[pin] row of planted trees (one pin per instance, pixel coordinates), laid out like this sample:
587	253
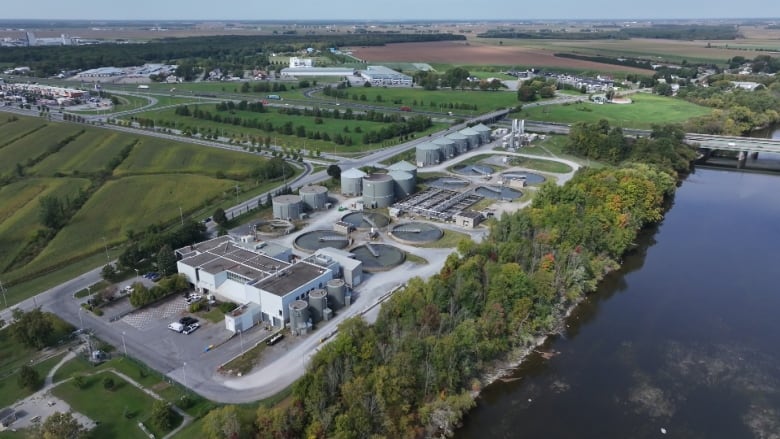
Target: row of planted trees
412	373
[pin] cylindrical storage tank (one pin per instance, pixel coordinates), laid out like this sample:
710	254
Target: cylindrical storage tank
337	289
378	191
314	197
403	166
473	137
484	132
352	182
404	183
287	207
318	301
428	154
447	147
461	142
299	316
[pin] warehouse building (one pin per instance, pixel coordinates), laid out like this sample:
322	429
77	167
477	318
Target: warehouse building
381	75
301	72
263	286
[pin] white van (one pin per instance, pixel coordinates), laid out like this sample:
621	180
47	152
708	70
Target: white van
176	326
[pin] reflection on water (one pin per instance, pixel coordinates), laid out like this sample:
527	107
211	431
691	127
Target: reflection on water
683	337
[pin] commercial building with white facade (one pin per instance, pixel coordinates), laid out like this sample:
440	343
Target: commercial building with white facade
381	75
263	286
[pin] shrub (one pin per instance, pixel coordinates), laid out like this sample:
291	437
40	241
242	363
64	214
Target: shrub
108	383
226	307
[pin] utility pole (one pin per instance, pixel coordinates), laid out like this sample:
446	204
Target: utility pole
2	289
105	245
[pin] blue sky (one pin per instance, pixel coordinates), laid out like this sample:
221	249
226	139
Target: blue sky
401	9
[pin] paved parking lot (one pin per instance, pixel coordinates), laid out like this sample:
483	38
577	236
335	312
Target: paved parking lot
171	310
36	408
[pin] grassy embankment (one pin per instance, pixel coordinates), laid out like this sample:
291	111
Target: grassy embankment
148	187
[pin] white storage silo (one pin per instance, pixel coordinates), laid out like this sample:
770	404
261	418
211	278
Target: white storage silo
352	182
428	154
404	183
473	137
337	289
314	197
447	147
403	166
299	317
484	132
287	207
318	302
461	142
378	191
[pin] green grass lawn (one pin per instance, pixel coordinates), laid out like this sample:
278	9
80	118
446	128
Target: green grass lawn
118	410
33	145
89	153
433	100
645	111
13	355
554	146
540	165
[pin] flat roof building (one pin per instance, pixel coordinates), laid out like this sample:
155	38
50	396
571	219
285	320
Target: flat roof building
316	71
381	75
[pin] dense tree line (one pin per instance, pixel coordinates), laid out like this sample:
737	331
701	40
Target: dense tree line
142	295
229	52
411	374
619	61
538	87
660	31
599	141
143	246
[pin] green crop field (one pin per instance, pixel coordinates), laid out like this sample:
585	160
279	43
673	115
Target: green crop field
645	111
131	203
152	155
150	186
19	211
433	100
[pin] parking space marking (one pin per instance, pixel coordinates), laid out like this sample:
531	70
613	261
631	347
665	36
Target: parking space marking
141	319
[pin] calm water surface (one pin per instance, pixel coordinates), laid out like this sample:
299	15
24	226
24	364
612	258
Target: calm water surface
686	337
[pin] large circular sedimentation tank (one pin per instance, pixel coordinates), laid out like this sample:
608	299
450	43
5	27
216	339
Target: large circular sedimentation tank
378	257
484	132
287	207
416	232
317	239
378	191
473	137
428	154
529	177
337	291
404	183
447	147
461	142
366	220
314	197
403	166
498	192
352	182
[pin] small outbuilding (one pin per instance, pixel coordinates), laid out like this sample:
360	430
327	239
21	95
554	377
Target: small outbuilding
468	219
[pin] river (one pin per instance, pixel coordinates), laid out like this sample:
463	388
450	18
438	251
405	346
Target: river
685	337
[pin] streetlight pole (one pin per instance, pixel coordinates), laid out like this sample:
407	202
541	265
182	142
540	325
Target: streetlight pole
2	289
184	371
181	215
136	272
124	345
81	320
241	337
105	245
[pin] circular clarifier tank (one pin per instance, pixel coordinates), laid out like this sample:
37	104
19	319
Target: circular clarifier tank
529	177
474	170
317	239
378	257
451	183
366	220
416	233
498	192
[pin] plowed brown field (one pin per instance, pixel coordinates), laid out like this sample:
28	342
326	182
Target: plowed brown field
469	53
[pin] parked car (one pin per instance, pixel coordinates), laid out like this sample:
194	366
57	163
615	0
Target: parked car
274	339
176	326
155	277
191	328
186	321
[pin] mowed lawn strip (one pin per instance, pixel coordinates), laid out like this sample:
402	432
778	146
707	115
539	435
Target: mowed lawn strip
130	203
33	145
11	131
118	410
89	153
645	111
486	101
20	209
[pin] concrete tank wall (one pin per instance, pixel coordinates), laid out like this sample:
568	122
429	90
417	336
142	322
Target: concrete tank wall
378	191
318	301
314	197
287	207
428	154
404	184
337	290
352	182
